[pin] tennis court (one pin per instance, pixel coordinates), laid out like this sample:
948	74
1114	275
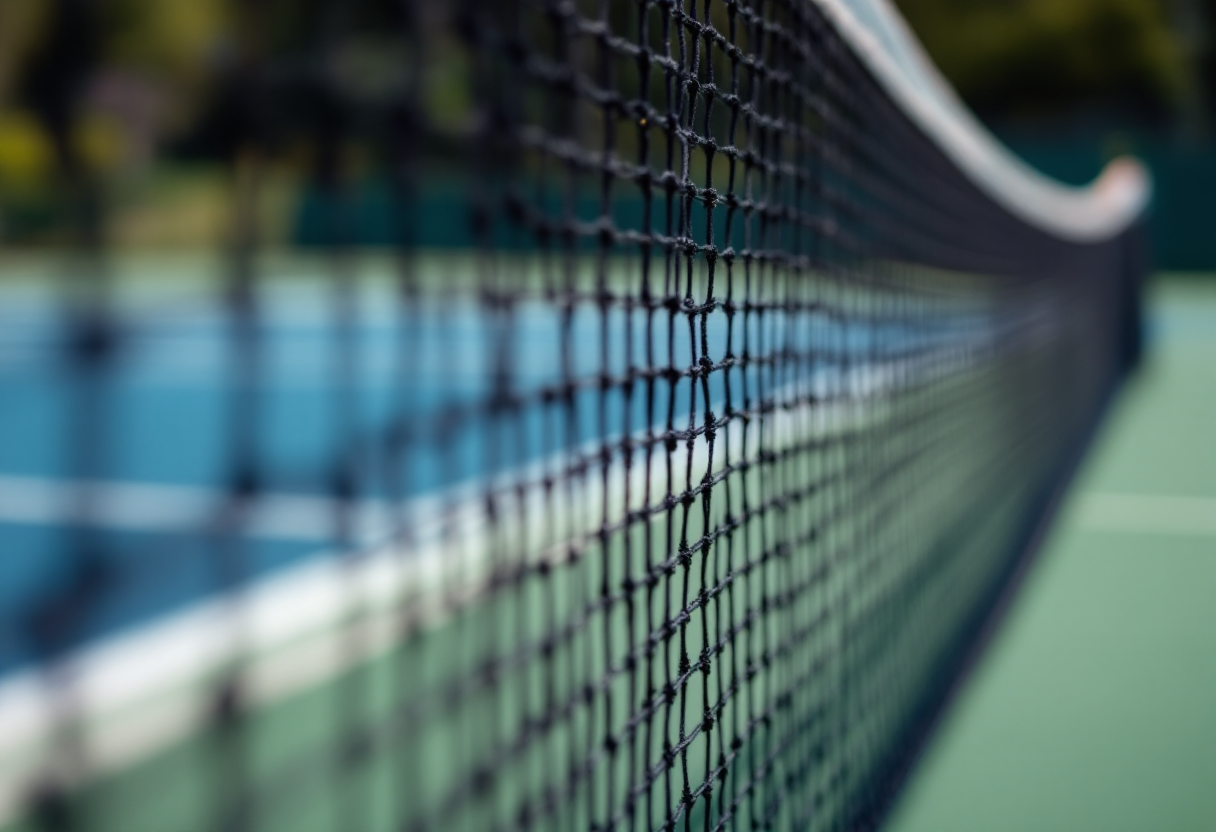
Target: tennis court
315	633
631	418
1093	707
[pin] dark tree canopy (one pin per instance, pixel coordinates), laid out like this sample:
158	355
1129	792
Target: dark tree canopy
1044	57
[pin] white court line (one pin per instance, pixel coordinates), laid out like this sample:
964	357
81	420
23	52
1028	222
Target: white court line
160	508
134	694
1146	514
140	692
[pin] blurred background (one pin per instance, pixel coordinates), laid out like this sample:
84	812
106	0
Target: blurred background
1067	85
133	122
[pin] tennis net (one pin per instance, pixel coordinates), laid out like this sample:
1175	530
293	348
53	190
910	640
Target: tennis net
631	421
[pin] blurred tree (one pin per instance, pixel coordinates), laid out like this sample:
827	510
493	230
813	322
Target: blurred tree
26	157
174	37
1044	57
21	25
126	72
1195	27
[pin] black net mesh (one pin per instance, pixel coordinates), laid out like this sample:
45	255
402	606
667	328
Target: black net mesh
629	427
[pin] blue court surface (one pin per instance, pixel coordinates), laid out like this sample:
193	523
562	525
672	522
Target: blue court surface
336	373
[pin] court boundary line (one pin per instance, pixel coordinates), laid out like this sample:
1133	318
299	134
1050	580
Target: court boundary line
347	610
1159	514
134	694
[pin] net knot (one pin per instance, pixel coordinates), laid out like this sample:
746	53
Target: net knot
685	558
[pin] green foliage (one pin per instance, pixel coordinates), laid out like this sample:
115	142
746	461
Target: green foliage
167	36
1036	55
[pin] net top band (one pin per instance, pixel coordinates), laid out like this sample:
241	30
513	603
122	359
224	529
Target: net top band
1099	211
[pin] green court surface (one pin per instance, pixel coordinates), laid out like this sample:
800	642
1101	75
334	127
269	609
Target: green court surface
1095	707
1096	710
